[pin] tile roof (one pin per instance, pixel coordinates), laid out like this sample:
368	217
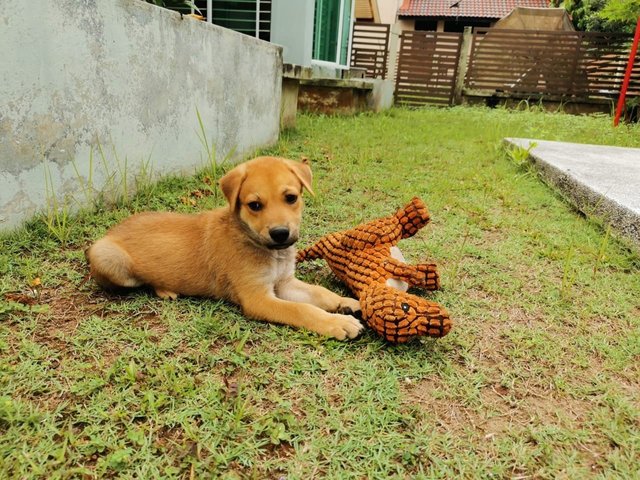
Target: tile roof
465	8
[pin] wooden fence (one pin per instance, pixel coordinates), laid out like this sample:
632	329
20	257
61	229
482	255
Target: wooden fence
526	63
427	68
369	48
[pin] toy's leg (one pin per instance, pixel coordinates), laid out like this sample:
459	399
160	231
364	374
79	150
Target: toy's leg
423	275
296	290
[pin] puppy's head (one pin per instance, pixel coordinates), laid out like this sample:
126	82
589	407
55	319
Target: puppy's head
266	195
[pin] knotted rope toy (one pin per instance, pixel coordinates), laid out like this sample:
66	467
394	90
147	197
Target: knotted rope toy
367	260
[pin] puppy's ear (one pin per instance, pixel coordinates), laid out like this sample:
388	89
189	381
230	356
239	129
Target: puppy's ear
230	184
302	170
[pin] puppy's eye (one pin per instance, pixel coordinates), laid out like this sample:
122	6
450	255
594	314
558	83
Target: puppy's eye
405	307
255	206
291	198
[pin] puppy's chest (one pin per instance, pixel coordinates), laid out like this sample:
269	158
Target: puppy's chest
282	267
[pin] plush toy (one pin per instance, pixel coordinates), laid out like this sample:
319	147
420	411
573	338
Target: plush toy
368	262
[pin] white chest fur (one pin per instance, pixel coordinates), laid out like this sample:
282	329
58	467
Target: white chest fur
283	265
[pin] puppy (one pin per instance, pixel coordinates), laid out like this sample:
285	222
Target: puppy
243	253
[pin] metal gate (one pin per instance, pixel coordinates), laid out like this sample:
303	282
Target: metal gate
427	68
369	48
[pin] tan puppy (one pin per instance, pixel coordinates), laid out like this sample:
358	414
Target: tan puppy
243	253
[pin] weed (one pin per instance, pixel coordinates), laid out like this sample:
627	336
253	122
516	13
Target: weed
601	253
85	185
213	168
458	259
57	216
521	157
568	273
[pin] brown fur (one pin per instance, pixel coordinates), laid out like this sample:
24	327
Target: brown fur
229	252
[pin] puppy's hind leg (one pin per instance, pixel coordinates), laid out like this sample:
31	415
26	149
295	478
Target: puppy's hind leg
111	266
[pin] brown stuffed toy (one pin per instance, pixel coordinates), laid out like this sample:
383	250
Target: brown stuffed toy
368	262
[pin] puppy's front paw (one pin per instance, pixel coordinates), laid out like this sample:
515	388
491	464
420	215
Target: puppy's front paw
349	306
166	294
343	327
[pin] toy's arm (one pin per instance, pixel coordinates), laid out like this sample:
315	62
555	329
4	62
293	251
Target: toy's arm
412	217
321	248
388	230
423	275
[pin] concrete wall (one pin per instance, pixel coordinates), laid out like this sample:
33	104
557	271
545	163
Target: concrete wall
129	76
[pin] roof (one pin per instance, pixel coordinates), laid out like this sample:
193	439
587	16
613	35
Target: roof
465	8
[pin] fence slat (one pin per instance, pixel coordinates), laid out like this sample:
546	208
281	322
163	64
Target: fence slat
369	48
586	65
427	68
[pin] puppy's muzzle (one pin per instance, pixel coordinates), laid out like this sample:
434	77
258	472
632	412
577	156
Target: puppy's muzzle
281	237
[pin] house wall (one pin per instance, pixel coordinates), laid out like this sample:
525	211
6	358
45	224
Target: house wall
127	76
388	10
292	27
406	24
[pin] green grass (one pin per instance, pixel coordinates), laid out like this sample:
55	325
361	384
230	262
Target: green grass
539	378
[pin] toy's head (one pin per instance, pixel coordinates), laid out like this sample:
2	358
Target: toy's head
398	316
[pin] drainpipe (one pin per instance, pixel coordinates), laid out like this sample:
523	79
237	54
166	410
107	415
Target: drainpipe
627	75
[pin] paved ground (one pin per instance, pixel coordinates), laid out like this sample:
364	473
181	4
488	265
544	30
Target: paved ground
599	180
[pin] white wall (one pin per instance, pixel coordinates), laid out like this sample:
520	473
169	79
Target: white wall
127	75
388	10
292	28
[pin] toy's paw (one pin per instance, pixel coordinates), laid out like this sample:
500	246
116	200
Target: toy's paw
349	306
342	327
429	278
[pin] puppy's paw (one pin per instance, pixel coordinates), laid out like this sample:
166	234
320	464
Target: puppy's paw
348	306
343	327
166	294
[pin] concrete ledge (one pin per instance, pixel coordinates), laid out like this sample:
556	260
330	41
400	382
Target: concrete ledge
333	96
599	180
352	83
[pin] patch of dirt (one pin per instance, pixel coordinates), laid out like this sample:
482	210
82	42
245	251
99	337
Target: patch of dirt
66	310
501	412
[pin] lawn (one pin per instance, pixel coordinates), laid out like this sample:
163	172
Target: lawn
539	377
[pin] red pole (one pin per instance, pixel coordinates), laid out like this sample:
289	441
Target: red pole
627	75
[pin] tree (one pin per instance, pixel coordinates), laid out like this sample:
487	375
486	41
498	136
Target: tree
602	15
625	12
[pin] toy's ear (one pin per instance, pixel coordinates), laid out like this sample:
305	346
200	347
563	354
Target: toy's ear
230	184
302	170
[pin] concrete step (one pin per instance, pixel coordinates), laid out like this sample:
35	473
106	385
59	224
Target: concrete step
599	180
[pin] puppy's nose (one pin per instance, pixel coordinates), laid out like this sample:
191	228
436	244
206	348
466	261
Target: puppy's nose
279	234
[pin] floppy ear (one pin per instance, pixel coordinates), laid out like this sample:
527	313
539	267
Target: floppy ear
230	184
302	170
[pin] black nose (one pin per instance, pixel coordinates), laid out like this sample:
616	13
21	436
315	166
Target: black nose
279	234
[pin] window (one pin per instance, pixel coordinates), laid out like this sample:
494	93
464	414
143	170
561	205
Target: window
331	33
251	17
428	25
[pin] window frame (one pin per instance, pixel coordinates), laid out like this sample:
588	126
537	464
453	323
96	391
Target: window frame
337	65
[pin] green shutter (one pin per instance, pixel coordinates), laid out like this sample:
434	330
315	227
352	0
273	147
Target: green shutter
327	18
328	35
346	30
